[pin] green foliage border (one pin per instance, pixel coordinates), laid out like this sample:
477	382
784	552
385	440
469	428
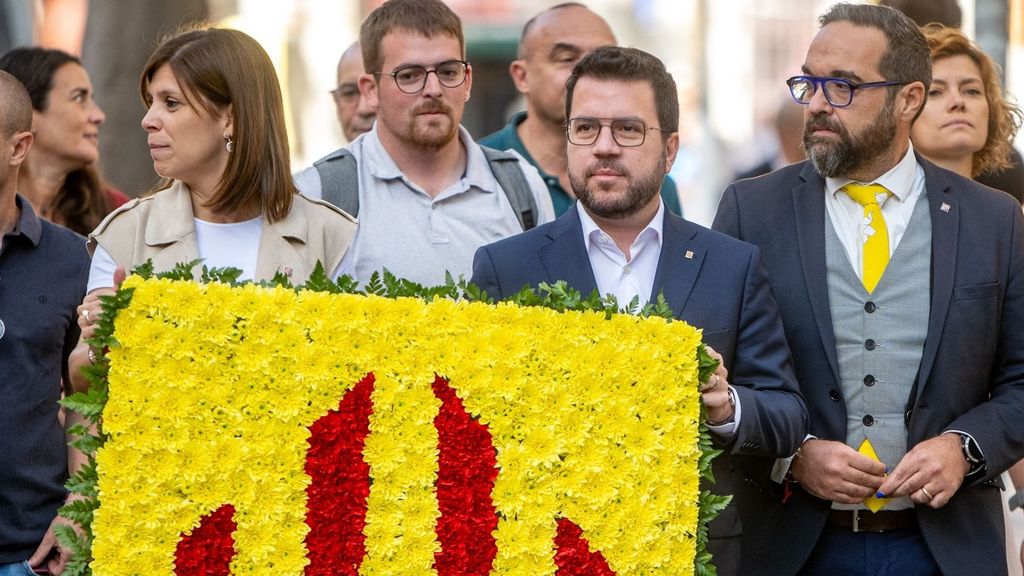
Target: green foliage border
558	296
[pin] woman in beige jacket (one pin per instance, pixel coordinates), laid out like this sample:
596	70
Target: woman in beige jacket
217	137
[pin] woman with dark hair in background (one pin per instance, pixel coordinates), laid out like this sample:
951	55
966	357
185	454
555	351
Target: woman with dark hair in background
60	177
217	136
968	126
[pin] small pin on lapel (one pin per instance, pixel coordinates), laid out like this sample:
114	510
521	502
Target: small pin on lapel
944	208
689	254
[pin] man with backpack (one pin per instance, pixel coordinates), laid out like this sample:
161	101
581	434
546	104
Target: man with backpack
426	195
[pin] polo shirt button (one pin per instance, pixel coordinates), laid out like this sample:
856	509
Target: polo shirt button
870	307
833	395
625	270
868	420
869	380
869	344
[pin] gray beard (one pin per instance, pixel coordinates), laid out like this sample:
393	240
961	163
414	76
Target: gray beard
833	160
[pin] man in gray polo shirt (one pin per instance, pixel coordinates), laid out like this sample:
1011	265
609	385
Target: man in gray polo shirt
427	196
43	271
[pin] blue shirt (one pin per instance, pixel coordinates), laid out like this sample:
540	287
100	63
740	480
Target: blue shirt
508	139
43	271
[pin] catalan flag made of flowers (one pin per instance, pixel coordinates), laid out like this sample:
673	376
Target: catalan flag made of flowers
266	431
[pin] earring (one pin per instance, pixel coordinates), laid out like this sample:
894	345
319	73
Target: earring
229	144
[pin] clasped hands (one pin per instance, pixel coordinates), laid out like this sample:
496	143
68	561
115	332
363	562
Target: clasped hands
929	474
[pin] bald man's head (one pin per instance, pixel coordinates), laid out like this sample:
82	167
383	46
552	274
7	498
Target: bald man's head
15	106
551	44
354	112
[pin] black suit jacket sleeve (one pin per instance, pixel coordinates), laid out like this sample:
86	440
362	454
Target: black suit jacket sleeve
773	417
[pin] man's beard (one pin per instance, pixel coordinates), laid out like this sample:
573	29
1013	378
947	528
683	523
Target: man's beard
639	193
435	135
834	159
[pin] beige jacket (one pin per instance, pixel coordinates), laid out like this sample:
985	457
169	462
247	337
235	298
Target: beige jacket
161	227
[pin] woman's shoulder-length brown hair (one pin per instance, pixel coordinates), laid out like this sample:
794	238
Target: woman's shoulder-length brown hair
217	67
1004	117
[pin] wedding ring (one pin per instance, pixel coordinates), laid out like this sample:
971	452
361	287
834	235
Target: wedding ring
927	493
85	314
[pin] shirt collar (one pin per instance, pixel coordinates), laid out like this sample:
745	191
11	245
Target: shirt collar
382	166
28	223
899	180
591	230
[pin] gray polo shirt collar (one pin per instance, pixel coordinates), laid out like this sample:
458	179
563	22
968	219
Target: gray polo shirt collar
383	167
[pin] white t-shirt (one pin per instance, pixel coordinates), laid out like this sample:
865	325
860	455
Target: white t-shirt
234	244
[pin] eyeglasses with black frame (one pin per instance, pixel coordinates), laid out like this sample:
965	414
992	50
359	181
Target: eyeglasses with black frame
627	132
412	79
838	91
347	92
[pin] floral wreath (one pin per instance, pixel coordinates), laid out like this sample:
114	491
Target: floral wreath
261	428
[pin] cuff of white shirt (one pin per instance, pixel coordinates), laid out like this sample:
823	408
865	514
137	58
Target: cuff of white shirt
727	431
781	466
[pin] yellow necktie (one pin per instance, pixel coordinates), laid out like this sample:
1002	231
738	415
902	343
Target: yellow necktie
873	232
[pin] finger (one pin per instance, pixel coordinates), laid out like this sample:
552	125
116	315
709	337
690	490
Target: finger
119	275
862	463
853	493
42	551
903	483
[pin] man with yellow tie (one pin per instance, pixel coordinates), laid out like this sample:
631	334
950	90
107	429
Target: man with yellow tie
901	288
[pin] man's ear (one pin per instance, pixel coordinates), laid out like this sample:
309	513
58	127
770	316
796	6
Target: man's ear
21	143
671	150
368	88
517	70
913	97
469	81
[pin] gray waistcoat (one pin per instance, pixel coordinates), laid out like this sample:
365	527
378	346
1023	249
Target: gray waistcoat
879	338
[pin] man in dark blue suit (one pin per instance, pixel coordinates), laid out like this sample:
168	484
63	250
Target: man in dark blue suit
916	348
619	239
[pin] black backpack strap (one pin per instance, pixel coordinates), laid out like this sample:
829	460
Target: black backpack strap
339	180
508	173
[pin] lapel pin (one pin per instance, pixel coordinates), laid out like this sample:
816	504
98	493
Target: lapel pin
944	208
689	254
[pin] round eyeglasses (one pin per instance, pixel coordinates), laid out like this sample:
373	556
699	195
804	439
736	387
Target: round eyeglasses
347	93
838	91
412	79
627	132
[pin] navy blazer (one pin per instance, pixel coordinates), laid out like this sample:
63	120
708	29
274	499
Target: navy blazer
712	282
971	376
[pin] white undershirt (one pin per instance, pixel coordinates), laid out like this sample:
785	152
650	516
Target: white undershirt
221	245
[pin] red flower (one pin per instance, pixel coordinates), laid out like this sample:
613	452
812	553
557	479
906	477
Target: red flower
573	556
208	550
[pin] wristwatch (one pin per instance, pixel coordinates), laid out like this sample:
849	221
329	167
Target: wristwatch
732	404
972	453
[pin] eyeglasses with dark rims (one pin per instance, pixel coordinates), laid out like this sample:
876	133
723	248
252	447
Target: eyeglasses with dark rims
412	79
838	91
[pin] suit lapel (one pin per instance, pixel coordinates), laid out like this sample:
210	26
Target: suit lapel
679	264
811	219
945	214
565	257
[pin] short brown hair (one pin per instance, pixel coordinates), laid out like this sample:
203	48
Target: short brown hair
630	65
1004	117
217	67
906	53
426	17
